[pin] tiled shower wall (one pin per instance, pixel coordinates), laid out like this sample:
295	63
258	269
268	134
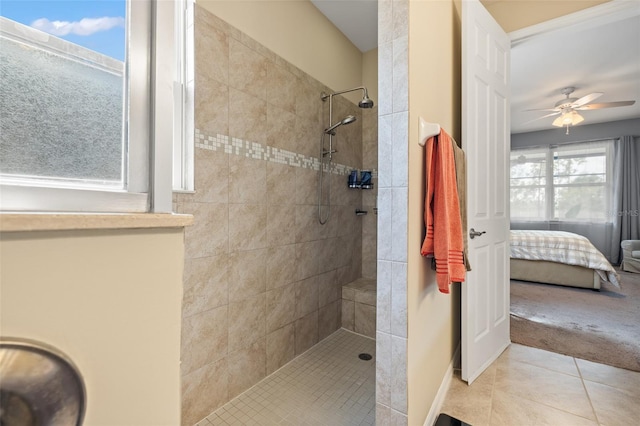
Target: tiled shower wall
262	277
370	197
391	327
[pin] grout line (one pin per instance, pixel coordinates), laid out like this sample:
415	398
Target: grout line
586	391
562	409
493	388
204	422
542	366
544	403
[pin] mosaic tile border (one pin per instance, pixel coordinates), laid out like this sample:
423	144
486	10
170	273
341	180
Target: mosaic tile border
257	151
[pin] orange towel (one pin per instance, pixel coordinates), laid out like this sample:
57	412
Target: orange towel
444	238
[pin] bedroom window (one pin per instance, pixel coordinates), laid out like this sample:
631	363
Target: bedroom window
528	184
569	183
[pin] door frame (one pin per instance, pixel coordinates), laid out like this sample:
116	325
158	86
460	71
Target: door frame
602	14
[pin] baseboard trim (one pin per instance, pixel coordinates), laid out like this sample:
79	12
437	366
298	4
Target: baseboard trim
438	402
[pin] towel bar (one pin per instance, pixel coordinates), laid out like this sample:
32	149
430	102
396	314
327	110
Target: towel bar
427	130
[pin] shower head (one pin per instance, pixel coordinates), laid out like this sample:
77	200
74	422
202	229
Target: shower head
366	101
347	120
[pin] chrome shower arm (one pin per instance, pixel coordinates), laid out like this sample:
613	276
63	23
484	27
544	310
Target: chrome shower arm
325	96
366	102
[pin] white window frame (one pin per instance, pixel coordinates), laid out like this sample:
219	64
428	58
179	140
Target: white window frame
545	152
550	185
184	99
150	68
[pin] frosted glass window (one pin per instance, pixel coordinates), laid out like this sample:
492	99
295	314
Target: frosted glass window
88	117
62	104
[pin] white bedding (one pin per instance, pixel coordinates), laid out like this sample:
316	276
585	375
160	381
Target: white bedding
562	247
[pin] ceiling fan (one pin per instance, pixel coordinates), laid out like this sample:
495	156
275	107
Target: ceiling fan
568	108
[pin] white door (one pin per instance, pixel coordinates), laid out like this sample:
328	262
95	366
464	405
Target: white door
486	140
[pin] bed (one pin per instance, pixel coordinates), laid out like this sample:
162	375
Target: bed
558	257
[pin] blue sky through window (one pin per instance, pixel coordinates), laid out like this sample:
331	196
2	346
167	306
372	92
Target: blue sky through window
95	24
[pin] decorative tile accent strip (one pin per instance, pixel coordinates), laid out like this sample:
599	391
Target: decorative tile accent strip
257	151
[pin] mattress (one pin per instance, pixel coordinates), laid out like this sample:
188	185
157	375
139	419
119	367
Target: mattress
547	272
560	247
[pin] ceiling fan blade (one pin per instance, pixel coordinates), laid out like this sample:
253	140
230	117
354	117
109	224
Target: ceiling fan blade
544	109
586	99
606	105
539	118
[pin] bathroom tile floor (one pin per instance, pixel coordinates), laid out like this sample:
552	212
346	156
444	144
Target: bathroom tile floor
327	385
330	385
529	386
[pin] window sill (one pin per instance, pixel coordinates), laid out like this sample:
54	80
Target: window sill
21	222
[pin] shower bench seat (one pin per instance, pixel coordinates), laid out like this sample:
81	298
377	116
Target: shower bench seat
359	307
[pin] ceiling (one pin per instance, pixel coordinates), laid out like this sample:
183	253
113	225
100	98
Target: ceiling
592	58
598	58
357	19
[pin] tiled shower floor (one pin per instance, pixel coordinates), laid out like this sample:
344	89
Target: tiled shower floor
327	385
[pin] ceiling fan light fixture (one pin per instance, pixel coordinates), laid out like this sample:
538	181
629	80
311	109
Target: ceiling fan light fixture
566	110
576	118
568	119
559	122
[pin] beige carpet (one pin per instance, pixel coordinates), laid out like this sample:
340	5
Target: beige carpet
597	326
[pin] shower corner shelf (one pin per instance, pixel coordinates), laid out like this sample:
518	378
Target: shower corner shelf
360	186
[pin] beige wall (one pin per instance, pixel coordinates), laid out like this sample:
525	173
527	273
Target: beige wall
299	33
435	87
370	73
110	300
515	15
